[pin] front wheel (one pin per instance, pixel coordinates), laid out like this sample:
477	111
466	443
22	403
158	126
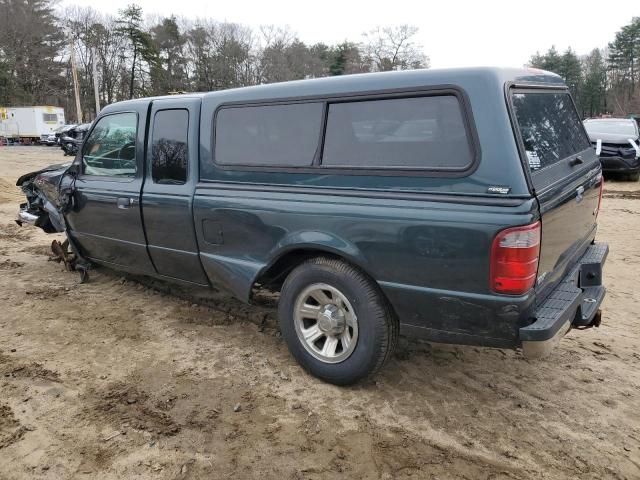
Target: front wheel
336	321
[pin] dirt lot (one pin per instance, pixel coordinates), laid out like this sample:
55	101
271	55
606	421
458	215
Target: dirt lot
113	379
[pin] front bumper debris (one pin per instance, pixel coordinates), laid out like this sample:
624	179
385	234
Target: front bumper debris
26	217
618	164
575	302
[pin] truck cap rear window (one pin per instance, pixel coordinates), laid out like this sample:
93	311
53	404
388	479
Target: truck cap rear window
550	127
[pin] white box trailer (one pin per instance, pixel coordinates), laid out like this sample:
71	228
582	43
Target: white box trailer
30	123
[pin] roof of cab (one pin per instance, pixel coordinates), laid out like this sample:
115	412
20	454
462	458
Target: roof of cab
378	81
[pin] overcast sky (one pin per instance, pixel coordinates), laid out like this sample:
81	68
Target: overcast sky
454	33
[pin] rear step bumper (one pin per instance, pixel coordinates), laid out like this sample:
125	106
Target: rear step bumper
574	302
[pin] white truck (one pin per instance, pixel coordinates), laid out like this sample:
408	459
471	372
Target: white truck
29	124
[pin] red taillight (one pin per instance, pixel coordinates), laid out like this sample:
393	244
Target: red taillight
514	259
600	195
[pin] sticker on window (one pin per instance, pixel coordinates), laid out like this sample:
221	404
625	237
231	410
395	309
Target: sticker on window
534	160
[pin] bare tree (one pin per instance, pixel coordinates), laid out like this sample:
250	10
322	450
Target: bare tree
234	63
110	49
284	56
80	24
393	48
220	55
136	55
273	65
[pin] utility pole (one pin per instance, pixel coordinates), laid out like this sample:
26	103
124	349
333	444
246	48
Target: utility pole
95	83
76	88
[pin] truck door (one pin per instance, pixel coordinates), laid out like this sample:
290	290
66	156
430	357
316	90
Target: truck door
106	218
167	194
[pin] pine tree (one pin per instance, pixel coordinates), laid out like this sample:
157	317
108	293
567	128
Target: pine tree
595	84
31	43
346	59
168	73
550	61
140	42
567	65
624	64
571	71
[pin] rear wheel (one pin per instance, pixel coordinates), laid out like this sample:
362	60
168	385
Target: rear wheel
633	177
336	321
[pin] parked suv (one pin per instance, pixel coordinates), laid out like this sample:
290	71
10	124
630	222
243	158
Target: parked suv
617	143
457	206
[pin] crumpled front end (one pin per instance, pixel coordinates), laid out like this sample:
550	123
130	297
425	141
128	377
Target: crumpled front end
620	156
48	193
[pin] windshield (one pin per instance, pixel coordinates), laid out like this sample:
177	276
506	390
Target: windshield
617	127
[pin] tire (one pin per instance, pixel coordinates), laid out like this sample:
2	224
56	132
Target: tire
633	177
356	309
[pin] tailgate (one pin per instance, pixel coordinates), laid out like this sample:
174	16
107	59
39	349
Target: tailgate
565	175
568	224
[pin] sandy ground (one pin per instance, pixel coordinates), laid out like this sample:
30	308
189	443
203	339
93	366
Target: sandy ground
113	379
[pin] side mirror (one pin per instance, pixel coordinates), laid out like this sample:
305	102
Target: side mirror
75	167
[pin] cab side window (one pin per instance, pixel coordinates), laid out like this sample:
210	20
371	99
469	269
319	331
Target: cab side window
110	150
169	151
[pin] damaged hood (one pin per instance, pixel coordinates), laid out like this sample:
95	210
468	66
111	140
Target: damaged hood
617	131
60	168
615	138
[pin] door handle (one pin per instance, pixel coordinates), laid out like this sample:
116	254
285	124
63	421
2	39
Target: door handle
576	161
124	202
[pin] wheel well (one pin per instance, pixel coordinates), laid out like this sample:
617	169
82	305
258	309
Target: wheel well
273	277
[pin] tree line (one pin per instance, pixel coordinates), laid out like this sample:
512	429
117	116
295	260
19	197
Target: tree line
605	81
138	56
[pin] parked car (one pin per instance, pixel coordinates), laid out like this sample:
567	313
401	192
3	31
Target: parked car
422	202
71	139
617	142
50	140
62	130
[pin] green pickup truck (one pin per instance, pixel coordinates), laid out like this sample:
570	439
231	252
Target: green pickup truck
457	206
